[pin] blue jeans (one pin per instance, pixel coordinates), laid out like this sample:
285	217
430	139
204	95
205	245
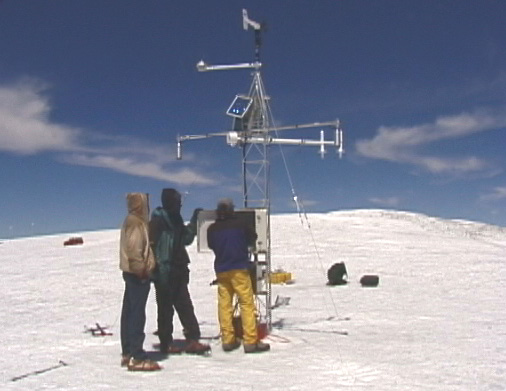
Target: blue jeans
133	316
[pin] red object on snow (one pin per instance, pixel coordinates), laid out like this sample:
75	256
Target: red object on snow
73	241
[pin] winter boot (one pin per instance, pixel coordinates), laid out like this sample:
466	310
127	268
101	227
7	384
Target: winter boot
125	359
228	347
143	365
258	347
195	347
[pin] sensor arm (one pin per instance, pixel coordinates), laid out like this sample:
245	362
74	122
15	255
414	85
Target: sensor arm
263	130
259	136
234	138
204	67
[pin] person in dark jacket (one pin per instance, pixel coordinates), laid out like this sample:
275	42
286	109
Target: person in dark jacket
168	237
230	239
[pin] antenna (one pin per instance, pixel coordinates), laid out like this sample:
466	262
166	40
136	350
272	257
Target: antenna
253	132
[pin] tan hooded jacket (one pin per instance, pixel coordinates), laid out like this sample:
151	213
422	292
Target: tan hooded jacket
135	253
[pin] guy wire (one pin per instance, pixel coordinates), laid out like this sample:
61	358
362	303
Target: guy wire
302	212
300	208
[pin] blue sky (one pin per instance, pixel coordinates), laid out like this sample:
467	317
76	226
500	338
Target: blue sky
93	94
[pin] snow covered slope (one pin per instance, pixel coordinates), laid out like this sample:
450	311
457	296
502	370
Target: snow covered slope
437	320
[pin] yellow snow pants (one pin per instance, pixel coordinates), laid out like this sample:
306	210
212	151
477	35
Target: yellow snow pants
236	282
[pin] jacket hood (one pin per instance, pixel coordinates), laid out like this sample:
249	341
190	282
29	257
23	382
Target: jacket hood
225	208
171	200
138	205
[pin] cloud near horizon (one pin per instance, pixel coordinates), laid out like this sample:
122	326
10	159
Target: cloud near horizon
385	202
26	129
399	144
498	193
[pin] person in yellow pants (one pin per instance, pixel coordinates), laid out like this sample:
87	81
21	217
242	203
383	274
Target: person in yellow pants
230	283
229	238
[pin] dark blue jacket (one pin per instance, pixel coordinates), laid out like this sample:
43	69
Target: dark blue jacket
229	238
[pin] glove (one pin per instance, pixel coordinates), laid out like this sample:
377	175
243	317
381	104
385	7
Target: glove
195	215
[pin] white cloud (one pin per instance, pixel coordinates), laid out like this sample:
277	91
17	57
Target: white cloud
306	203
142	168
498	193
26	128
399	144
438	165
386	202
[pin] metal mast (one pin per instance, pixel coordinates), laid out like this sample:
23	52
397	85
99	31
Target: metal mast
252	131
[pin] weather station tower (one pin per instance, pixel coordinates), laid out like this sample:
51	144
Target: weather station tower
253	131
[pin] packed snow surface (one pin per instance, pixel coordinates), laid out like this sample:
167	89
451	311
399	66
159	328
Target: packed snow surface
436	321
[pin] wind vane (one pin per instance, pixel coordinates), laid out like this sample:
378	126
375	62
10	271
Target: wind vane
253	131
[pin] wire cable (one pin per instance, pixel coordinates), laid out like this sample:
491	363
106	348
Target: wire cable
304	217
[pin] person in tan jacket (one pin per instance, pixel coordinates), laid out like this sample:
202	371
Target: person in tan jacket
136	262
